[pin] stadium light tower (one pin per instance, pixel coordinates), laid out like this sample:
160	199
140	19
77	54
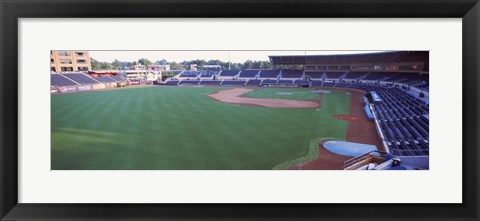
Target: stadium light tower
228	60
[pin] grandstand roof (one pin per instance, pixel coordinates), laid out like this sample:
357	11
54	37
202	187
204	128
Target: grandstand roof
379	57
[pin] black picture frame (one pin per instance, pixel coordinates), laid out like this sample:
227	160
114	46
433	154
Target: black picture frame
12	10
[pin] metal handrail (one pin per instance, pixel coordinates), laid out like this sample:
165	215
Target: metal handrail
364	156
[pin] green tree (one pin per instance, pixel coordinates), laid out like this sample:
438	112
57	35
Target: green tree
144	61
176	66
116	64
161	62
94	63
248	64
105	66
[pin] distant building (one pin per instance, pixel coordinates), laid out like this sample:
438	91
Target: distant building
137	67
193	67
165	67
69	61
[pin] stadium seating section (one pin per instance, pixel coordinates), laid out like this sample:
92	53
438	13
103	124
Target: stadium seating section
355	75
253	82
189	74
229	73
249	73
105	79
81	79
208	74
334	74
60	80
269	73
118	78
316	75
292	73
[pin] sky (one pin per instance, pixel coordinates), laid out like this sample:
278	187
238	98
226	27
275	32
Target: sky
179	56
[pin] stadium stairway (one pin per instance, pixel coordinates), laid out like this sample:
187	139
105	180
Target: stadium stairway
69	79
92	78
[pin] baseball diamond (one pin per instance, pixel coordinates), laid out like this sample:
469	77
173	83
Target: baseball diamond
327	113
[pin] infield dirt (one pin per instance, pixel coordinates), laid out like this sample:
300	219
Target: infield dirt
234	96
359	130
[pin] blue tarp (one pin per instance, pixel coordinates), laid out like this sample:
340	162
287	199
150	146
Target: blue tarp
348	148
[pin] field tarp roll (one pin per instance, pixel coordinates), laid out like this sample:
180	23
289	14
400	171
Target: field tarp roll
67	89
84	87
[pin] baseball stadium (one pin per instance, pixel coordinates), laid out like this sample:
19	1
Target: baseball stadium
362	111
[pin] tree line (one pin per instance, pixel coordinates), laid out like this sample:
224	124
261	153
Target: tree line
185	65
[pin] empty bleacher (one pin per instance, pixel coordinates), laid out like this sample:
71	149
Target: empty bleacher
314	75
118	78
285	82
269	73
248	73
378	76
207	74
292	73
400	77
229	73
105	79
81	78
253	82
333	75
354	75
269	81
60	80
189	74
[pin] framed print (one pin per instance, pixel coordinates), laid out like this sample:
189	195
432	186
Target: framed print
239	110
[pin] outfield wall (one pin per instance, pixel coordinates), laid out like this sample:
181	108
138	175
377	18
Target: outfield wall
86	87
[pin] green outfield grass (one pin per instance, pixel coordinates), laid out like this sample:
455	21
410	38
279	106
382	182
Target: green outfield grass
181	128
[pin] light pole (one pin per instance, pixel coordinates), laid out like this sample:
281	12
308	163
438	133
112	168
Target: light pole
228	60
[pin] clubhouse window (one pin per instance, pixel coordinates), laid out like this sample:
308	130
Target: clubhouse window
64	53
65	61
81	61
53	69
83	68
67	69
